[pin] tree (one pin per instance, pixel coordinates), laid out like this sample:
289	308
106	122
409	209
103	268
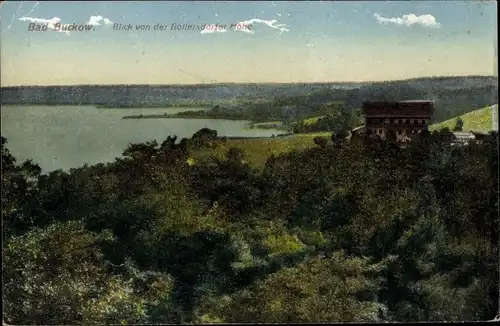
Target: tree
345	233
57	275
316	291
320	141
235	154
340	136
19	185
459	124
204	137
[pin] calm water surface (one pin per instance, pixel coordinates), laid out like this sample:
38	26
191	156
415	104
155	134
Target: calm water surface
63	137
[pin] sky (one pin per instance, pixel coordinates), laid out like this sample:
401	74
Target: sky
276	41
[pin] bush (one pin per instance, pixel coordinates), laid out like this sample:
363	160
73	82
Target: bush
320	141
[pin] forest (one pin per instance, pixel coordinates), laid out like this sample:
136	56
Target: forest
339	232
451	98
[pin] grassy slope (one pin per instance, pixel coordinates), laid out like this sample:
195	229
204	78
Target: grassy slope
257	151
478	120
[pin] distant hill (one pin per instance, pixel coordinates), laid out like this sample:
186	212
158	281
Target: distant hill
477	120
452	96
153	95
466	90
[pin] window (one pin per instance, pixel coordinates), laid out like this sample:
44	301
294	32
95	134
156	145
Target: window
399	132
412	121
400	121
423	121
407	122
387	121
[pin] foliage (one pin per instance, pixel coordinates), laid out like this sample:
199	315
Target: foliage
318	290
58	275
458	125
18	186
320	141
210	231
337	120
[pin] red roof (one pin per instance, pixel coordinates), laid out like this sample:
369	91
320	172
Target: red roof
399	109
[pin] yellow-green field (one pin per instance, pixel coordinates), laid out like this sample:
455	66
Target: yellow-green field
312	120
478	120
257	151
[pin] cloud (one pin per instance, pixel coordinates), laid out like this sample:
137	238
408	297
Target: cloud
409	20
270	23
96	21
213	28
244	26
50	23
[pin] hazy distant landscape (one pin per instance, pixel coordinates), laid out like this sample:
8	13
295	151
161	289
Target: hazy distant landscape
153	95
261	102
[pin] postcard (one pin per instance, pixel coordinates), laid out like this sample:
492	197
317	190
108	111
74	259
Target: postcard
194	162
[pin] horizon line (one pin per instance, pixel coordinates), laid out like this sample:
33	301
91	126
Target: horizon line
263	83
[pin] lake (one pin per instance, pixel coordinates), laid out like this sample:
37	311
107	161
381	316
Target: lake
64	137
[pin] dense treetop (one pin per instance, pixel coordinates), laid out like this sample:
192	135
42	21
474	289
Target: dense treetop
337	232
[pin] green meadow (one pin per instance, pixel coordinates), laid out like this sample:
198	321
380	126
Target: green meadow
478	120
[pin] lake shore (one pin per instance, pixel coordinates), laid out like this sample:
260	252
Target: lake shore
173	116
164	106
253	124
256	124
